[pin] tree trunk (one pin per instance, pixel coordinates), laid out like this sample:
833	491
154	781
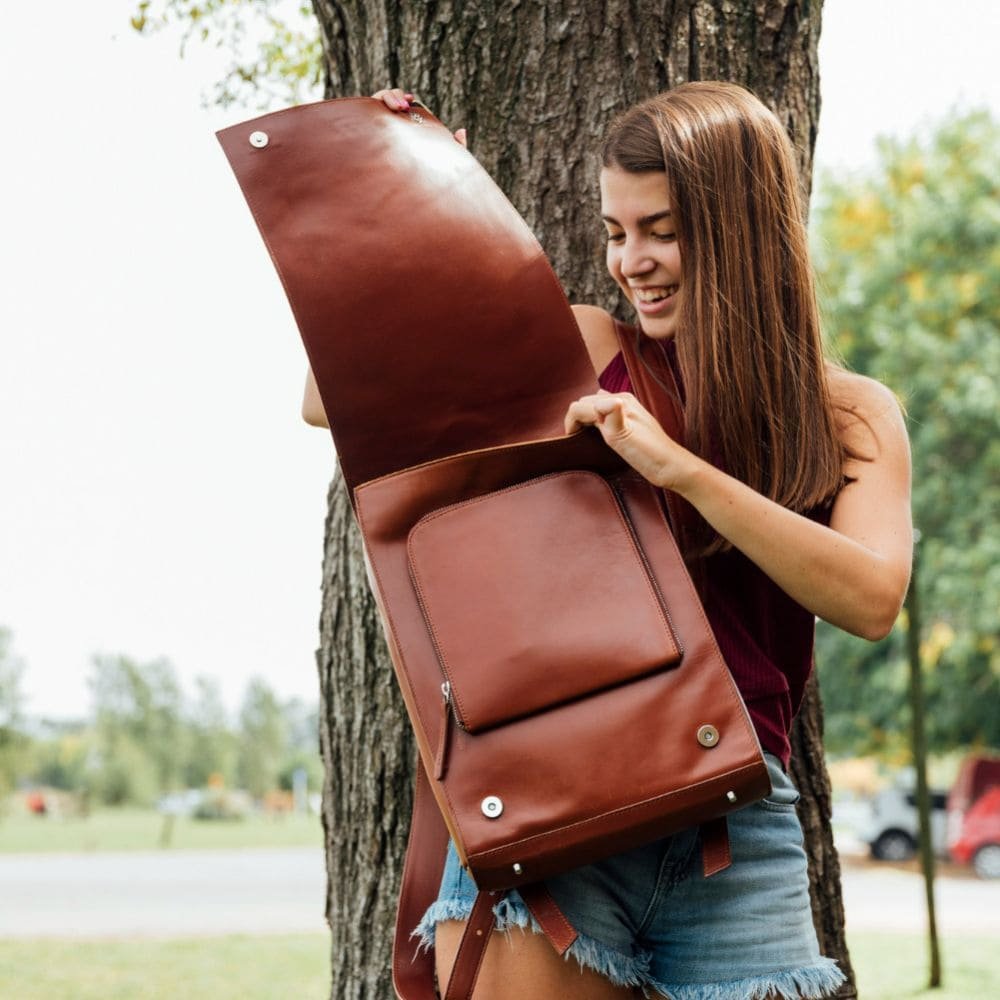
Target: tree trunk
368	755
809	773
535	83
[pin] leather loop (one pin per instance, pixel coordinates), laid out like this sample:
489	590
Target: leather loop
716	855
551	919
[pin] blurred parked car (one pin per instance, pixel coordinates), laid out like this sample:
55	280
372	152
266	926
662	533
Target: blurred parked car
181	803
892	831
974	816
979	842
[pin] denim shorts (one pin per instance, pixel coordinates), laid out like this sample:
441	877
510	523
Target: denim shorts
649	917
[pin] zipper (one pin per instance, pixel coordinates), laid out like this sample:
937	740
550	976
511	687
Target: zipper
447	704
444	741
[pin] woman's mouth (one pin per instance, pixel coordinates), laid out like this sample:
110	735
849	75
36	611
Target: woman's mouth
653	299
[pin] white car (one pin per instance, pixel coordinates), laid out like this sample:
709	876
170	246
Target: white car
892	829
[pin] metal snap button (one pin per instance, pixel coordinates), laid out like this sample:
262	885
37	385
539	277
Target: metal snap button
708	736
259	139
518	870
492	806
731	796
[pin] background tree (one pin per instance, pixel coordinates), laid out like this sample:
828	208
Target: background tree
13	742
211	745
261	739
301	745
909	260
274	45
137	719
61	755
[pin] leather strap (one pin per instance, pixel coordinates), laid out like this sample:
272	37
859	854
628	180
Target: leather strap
413	969
716	855
472	949
550	918
654	385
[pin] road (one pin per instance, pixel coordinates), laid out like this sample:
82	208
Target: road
264	891
879	897
162	893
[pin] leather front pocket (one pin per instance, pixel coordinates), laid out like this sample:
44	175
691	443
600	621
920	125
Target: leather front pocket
536	595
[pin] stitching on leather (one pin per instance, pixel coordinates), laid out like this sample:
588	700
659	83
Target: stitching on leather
623	811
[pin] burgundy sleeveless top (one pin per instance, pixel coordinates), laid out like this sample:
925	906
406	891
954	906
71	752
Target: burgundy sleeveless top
765	637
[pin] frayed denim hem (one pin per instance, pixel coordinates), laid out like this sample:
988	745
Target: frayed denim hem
809	983
615	966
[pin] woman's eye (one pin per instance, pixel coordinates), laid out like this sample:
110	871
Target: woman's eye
665	237
615	237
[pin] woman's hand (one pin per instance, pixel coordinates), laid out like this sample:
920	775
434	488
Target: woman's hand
399	100
632	431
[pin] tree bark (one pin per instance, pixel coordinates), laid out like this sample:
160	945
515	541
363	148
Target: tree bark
810	775
535	83
368	754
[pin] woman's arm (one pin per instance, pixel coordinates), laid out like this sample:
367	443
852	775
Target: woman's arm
312	406
854	573
597	329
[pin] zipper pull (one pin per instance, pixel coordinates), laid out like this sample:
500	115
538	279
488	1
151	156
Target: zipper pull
441	758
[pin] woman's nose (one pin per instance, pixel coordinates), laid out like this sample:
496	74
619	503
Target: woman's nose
635	263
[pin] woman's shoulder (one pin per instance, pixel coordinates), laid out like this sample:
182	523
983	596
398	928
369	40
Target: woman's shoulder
597	327
860	394
867	412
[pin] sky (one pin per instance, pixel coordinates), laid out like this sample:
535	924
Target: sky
160	495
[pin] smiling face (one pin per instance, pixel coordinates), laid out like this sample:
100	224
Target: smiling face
643	255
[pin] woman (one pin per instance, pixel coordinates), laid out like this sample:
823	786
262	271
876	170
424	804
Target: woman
796	474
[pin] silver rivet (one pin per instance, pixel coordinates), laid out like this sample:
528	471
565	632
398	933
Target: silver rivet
731	796
492	806
259	139
414	117
518	870
708	735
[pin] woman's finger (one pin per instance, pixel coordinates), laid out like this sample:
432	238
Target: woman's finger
611	414
395	99
604	409
580	414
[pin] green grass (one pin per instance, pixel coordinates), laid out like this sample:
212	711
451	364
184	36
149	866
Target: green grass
228	968
138	829
296	967
894	967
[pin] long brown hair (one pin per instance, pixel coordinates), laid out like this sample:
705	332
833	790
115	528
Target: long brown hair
748	336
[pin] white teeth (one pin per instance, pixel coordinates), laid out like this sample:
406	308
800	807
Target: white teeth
654	294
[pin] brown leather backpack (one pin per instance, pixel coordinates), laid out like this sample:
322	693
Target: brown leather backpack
568	698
